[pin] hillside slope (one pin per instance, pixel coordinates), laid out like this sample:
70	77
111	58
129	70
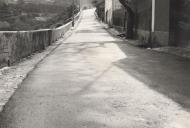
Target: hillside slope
34	14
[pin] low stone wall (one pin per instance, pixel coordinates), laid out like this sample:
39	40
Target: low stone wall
15	45
60	31
23	43
4	51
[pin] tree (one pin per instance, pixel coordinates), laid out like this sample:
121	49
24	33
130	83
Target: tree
130	17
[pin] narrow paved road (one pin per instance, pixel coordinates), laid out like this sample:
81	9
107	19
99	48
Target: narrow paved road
94	80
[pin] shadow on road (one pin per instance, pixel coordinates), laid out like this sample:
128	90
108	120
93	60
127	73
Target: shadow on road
167	74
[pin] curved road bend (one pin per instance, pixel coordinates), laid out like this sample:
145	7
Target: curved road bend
94	80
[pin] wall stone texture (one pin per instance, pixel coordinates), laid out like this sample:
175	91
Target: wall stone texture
15	45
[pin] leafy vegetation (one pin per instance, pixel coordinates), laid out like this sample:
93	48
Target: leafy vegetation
30	16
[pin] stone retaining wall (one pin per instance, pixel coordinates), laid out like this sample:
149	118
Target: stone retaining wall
15	45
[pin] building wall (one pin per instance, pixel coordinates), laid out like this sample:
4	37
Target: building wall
162	14
118	15
109	12
143	11
143	14
171	24
114	14
160	36
143	20
180	23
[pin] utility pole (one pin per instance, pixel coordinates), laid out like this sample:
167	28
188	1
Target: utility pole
153	16
151	40
73	13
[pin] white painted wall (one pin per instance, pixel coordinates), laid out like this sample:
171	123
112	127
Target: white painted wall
108	11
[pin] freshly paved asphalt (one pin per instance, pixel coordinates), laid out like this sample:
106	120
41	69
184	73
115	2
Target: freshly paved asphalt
94	80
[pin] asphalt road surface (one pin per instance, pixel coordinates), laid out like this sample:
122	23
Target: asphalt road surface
94	80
